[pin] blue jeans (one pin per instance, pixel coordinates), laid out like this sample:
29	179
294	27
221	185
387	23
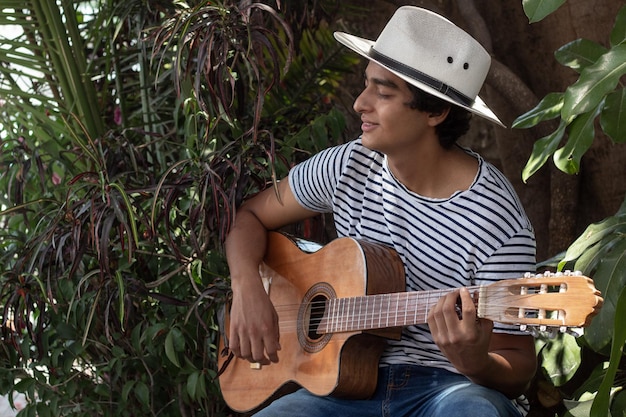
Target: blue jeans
403	391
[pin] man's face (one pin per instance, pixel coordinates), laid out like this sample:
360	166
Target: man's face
389	124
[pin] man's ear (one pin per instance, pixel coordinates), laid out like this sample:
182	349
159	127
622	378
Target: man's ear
434	118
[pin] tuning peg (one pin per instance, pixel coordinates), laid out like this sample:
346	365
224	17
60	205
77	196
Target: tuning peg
574	331
572	273
544	332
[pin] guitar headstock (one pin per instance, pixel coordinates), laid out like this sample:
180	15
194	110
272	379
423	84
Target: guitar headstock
559	300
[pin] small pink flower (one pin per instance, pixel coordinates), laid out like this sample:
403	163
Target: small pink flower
117	116
56	178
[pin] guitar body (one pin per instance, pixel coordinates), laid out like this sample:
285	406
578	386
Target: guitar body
342	364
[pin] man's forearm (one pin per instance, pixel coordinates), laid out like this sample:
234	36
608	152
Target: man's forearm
245	246
508	371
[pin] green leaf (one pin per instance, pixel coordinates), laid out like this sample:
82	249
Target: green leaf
142	392
600	407
128	386
594	83
618	405
600	252
577	408
613	116
548	108
579	54
121	289
537	10
589	238
618	34
610	280
65	331
591	258
580	138
561	359
192	384
26	386
43	410
542	150
170	347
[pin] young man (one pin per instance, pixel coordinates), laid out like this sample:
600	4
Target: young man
452	217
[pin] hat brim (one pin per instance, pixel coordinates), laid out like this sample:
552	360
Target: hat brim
362	47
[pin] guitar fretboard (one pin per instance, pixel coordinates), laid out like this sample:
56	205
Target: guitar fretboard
379	311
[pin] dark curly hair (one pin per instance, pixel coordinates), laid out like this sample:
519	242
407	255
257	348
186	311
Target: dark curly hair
453	127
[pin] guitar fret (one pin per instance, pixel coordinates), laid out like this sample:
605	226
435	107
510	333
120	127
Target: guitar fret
351	312
395	321
373	310
343	316
360	312
380	310
406	308
340	315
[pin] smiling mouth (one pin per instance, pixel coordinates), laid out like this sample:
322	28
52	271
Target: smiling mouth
367	126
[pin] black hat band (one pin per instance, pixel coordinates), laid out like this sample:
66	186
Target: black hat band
404	69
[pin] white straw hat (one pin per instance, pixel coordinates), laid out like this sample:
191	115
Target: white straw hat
431	53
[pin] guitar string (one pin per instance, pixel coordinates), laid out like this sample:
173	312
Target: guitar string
317	304
492	301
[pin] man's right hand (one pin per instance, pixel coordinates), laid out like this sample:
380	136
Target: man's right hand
254	332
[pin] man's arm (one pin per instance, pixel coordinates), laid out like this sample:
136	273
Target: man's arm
500	361
254	333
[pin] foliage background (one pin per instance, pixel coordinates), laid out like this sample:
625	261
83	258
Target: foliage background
130	131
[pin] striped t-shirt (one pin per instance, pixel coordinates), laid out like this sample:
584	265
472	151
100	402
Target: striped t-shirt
475	237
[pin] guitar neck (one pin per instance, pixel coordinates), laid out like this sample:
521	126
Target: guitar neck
379	311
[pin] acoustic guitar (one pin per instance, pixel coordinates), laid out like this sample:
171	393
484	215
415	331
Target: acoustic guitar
337	305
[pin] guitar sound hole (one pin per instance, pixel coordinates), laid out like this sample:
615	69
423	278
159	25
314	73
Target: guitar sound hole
312	315
318	307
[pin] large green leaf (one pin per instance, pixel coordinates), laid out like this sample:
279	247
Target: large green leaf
600	252
537	10
590	238
613	116
577	408
580	138
548	108
542	150
610	280
587	389
618	34
579	54
601	403
561	359
595	82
